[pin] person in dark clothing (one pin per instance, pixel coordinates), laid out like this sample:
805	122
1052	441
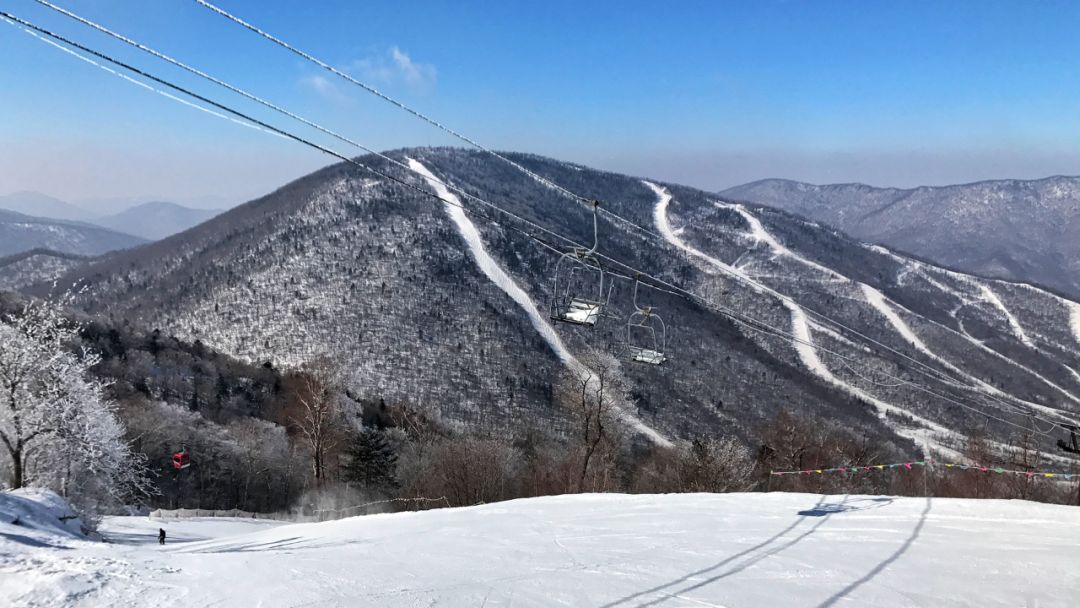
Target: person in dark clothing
161	536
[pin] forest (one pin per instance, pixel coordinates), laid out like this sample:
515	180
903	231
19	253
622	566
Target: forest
99	415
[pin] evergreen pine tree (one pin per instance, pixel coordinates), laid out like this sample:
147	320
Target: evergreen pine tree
372	461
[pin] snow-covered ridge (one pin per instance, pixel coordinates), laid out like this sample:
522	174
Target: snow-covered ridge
505	282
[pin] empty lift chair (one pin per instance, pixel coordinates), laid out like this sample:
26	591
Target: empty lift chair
646	334
578	296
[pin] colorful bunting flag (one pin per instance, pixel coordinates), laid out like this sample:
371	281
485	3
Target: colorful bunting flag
908	466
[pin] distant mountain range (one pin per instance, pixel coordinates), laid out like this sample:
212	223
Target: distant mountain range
36	204
20	233
157	220
1022	230
423	303
139	223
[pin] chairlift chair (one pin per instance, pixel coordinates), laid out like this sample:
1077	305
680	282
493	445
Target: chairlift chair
181	460
646	334
577	274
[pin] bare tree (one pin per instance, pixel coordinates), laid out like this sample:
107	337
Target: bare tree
593	393
717	465
313	411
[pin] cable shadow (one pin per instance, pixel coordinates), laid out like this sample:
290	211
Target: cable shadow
720	564
750	562
884	563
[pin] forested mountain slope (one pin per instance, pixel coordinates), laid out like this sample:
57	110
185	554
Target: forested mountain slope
1022	230
36	266
19	233
386	280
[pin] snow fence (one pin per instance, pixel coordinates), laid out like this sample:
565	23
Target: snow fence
174	514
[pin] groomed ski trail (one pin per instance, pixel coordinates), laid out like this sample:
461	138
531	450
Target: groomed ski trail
1074	320
1014	323
880	303
1071	307
500	278
800	328
759	233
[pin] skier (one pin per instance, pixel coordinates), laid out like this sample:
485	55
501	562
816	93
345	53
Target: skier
161	536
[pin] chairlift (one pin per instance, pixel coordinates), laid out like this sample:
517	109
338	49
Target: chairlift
578	296
181	460
1072	447
646	334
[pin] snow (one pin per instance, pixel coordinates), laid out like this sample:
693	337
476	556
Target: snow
1074	320
663	225
808	355
975	281
803	341
1014	324
38	512
759	233
490	267
499	277
609	550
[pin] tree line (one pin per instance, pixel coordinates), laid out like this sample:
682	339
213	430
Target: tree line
97	414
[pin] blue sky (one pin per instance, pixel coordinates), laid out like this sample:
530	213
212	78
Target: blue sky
710	94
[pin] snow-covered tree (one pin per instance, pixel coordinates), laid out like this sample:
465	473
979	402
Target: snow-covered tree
56	424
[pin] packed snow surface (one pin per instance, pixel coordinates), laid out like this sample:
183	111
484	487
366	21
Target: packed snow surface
586	550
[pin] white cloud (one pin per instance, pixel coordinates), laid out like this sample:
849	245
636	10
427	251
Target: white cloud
395	66
324	87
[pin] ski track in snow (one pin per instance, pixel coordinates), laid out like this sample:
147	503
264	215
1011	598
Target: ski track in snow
759	233
1074	320
1014	324
800	326
500	278
877	299
881	304
968	279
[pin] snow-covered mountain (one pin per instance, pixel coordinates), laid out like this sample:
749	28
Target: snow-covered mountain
156	220
36	266
448	311
1022	230
20	233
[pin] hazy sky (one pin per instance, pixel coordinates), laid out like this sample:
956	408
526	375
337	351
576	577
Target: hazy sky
710	94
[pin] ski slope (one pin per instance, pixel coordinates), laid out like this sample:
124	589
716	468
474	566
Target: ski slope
803	339
603	550
505	282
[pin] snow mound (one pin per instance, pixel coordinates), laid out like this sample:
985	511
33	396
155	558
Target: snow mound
37	511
